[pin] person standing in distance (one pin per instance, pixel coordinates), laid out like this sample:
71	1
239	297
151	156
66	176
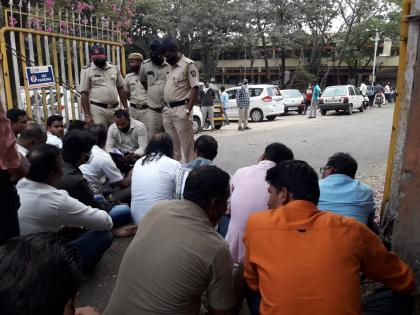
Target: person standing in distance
100	85
243	102
136	93
180	94
153	74
316	91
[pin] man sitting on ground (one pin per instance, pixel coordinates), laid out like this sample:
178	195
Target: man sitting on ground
18	120
102	170
55	130
341	193
206	149
29	137
305	261
41	274
127	139
177	254
45	208
77	147
249	194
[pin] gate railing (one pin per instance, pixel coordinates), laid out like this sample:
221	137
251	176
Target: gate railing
61	43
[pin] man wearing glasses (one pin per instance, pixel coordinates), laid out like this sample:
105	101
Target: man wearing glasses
341	193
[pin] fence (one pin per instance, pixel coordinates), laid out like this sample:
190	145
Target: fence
32	39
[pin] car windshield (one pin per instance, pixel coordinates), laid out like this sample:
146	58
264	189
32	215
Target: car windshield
335	91
290	93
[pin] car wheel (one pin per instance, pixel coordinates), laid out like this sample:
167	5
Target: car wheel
257	115
300	111
323	112
218	126
361	109
285	112
271	117
350	109
196	125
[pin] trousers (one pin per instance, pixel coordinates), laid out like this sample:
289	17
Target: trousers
208	111
312	110
243	116
179	126
103	116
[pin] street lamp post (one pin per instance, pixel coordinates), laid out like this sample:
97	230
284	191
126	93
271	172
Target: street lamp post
376	39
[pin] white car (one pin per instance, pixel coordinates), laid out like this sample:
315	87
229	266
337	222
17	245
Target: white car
265	102
293	101
341	97
198	122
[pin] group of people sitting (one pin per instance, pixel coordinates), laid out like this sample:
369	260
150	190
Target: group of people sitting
272	233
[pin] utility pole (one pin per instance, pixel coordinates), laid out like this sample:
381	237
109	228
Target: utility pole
376	39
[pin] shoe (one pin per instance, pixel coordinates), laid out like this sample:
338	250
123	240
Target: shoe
310	117
247	128
240	128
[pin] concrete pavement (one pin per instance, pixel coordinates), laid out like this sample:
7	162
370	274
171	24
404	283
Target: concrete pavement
364	135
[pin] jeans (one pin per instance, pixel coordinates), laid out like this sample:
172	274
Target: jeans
92	245
223	225
383	301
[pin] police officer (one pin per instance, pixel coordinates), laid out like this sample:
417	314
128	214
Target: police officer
100	85
153	74
136	93
180	93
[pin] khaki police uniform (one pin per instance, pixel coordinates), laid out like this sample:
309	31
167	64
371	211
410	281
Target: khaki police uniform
156	78
138	97
181	79
102	86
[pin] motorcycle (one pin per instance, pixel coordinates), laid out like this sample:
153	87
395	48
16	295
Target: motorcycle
379	99
366	102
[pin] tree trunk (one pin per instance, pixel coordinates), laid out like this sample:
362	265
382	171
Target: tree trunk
283	66
267	70
252	69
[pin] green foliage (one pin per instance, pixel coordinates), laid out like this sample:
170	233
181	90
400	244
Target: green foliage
301	79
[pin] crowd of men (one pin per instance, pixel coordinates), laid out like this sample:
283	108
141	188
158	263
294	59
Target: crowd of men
197	230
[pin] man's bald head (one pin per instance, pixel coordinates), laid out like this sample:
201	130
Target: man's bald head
31	136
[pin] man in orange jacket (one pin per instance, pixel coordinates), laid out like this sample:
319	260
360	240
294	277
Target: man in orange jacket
303	261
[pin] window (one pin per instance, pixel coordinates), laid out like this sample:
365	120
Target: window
291	93
270	91
255	92
351	91
332	91
232	94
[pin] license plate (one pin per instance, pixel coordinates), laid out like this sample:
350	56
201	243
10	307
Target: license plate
292	107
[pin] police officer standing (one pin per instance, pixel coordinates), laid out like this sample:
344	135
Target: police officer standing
153	74
136	93
180	93
100	85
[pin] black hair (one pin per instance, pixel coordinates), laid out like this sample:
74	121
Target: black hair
206	147
160	144
222	89
51	119
297	177
76	124
100	134
206	183
14	113
32	132
278	152
120	113
39	274
44	160
343	163
75	143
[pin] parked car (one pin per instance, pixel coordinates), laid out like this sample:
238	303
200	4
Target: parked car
198	121
293	101
266	102
341	97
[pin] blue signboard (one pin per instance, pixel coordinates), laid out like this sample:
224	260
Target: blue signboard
40	77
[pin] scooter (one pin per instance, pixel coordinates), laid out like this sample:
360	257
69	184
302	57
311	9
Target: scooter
379	99
365	103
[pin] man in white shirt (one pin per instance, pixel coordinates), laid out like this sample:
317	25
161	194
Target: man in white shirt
30	136
387	92
363	88
126	137
45	208
55	130
102	169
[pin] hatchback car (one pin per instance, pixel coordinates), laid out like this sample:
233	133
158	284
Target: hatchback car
266	102
341	97
293	101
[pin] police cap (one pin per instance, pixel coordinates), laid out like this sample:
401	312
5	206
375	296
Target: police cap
135	56
168	43
155	45
97	52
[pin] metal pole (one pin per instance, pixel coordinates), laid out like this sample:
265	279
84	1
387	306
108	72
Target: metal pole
374	57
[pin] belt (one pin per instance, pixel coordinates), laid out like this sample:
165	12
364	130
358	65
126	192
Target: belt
108	106
157	110
139	106
176	104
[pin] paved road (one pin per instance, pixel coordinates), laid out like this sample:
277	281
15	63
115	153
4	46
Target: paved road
364	135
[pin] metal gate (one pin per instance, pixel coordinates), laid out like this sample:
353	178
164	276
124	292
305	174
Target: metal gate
36	39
